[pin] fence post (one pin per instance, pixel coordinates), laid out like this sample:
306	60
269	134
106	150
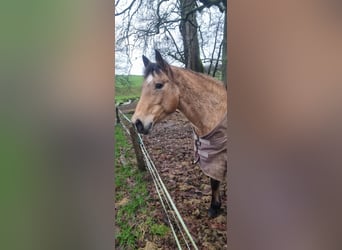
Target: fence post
137	149
117	115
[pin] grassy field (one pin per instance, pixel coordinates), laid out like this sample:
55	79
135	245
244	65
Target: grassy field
133	220
127	87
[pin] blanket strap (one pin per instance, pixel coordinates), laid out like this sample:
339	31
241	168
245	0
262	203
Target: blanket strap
197	144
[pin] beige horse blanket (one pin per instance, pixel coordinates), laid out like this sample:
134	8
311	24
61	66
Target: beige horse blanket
211	151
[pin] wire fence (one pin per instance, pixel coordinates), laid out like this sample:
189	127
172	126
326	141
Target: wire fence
178	227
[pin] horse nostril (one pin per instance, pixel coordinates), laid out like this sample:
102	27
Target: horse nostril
139	126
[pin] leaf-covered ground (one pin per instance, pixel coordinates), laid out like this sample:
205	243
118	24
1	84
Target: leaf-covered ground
170	145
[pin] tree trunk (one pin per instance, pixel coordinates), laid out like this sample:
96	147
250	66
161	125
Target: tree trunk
188	29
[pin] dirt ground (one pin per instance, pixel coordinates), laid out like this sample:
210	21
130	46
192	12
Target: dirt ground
170	146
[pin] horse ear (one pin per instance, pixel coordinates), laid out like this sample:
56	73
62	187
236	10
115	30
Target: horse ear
161	62
146	61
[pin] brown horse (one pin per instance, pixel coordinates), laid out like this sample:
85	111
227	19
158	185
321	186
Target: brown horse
203	101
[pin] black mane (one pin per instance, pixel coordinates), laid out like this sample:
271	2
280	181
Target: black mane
151	68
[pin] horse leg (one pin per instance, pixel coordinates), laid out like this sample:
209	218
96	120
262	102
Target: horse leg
215	198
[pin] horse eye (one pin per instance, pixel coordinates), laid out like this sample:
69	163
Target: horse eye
159	85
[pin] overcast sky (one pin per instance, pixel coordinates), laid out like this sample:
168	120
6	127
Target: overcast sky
137	64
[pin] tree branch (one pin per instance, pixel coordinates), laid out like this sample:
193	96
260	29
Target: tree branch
129	7
218	58
221	4
174	42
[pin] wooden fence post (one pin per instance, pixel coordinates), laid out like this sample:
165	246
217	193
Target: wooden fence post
117	115
137	149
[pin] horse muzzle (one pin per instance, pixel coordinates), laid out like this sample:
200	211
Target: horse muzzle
141	128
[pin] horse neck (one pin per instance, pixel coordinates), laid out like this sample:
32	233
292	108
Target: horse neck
203	101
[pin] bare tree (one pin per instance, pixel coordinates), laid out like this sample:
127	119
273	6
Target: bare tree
187	32
188	28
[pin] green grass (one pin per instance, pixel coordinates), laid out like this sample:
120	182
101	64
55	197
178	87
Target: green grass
133	217
127	87
159	229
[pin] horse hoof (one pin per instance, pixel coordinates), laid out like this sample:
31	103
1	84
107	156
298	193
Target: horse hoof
214	209
213	212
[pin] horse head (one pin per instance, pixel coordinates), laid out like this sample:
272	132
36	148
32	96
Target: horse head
159	94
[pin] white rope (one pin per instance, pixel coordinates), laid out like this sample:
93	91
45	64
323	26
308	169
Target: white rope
160	186
172	203
126	129
167	215
124	116
168	195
